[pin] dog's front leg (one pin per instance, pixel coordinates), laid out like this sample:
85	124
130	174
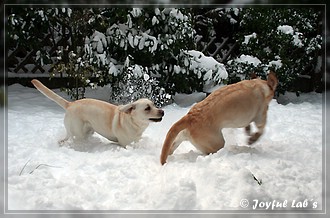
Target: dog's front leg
254	137
61	142
248	130
260	123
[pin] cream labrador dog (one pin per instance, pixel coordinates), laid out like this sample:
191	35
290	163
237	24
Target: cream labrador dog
123	124
232	106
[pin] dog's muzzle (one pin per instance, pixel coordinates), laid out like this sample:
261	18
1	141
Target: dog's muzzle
158	119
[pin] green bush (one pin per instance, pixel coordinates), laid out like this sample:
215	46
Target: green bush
286	40
156	42
110	45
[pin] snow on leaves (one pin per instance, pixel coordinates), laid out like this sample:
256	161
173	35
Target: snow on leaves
213	71
286	29
150	45
285	40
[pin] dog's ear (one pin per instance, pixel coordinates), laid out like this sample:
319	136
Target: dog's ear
272	80
127	108
253	75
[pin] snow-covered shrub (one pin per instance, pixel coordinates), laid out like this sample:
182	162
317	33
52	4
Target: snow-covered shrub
55	36
286	40
154	38
207	69
243	66
159	41
93	45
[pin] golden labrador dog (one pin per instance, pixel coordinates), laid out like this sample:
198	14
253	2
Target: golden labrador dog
123	124
232	106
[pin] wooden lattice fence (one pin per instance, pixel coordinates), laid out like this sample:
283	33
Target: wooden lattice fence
219	49
22	64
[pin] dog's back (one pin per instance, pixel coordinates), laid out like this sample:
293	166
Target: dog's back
234	105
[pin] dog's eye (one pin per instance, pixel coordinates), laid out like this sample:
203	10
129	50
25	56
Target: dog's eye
148	108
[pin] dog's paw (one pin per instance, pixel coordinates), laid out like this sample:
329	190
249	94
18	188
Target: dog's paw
254	138
62	142
248	130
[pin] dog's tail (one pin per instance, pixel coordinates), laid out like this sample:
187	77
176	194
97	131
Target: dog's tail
170	137
50	94
272	80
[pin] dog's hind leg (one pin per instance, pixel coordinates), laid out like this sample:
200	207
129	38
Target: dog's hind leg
68	135
76	128
210	142
182	136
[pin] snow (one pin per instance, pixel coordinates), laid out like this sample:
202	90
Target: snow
232	20
185	100
154	20
146	77
297	41
137	71
99	175
177	14
248	37
209	64
136	12
99	42
113	69
278	64
248	59
286	29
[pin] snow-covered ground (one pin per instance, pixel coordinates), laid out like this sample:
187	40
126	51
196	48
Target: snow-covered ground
99	175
